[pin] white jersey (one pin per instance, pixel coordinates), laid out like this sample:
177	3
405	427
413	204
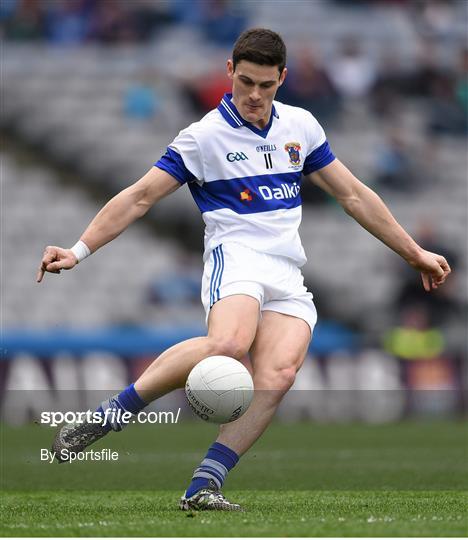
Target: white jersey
245	180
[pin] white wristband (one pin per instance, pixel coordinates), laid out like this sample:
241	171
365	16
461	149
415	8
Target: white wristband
81	251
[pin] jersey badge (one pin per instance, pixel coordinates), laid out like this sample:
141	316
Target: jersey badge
293	149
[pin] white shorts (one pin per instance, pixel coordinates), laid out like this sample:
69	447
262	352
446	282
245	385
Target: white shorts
274	281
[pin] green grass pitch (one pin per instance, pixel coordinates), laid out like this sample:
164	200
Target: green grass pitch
303	479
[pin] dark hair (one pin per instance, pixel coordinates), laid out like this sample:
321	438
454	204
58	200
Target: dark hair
260	46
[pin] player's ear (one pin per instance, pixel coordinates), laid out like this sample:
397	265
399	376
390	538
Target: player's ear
230	68
283	76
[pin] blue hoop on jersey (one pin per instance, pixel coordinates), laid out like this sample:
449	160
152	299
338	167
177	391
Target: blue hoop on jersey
246	180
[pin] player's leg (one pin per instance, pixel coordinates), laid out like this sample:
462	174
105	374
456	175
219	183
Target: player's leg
277	353
232	328
231	331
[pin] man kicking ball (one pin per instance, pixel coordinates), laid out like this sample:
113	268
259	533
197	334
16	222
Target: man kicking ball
243	163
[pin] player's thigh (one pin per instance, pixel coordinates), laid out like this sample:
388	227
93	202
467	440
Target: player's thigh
280	347
233	322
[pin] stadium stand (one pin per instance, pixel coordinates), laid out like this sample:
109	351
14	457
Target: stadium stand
70	103
110	290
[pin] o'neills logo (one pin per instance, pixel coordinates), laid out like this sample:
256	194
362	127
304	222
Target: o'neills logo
266	148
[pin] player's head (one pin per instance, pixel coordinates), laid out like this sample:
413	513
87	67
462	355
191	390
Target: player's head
257	70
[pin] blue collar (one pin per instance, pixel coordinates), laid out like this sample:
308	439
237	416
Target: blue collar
235	120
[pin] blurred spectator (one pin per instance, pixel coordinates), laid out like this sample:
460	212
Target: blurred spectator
444	90
461	85
220	21
390	85
309	86
434	18
223	21
67	21
446	115
427	361
352	70
205	93
395	167
429	328
313	195
8	8
431	359
414	337
113	22
426	72
441	304
23	19
180	288
150	16
141	101
192	16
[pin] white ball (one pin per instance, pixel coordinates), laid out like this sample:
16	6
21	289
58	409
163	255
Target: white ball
219	389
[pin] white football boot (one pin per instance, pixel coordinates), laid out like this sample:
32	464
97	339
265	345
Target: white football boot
209	498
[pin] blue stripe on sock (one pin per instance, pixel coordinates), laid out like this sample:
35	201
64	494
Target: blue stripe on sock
217	452
223	454
127	401
196	485
130	400
210	471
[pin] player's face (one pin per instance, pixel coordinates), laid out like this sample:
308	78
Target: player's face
253	90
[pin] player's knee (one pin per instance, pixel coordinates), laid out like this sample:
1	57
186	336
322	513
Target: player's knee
287	376
284	378
280	379
234	347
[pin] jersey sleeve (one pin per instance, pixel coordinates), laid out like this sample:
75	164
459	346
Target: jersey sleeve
319	153
182	159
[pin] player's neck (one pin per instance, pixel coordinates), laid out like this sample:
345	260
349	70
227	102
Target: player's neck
260	124
263	122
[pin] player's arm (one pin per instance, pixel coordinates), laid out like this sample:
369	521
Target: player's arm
122	210
368	209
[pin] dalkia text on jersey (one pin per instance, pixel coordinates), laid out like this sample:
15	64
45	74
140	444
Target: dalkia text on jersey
285	191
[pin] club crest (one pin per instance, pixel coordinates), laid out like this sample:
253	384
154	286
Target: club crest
293	149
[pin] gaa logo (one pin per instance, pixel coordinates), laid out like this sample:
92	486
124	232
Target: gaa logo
236	156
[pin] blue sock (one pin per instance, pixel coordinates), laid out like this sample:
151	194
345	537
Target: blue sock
127	401
217	463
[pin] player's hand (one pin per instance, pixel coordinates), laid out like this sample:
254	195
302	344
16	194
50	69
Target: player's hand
433	267
54	260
